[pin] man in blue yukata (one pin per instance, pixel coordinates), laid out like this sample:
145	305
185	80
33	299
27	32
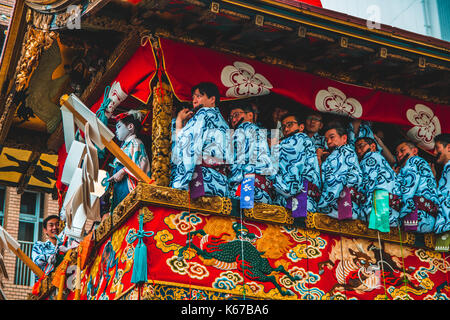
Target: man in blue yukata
381	204
200	142
297	182
341	177
251	154
44	253
313	124
418	190
442	151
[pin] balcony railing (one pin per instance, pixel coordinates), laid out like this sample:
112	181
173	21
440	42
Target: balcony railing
23	275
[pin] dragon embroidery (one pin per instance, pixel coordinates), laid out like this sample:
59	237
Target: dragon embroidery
239	253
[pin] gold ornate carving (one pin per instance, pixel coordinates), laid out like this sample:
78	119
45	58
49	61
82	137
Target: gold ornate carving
430	240
215	7
301	32
147	213
35	42
320	36
278	26
102	230
269	213
235	14
259	20
161	133
355	228
168	197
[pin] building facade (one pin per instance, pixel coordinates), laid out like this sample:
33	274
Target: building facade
426	17
21	217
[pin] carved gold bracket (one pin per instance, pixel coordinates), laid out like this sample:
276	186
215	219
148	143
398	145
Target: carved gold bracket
161	133
269	213
355	228
145	194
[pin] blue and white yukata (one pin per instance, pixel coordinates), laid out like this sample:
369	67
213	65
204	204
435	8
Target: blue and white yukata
203	141
319	141
251	155
46	255
378	175
339	170
419	195
135	150
297	160
41	254
365	130
443	219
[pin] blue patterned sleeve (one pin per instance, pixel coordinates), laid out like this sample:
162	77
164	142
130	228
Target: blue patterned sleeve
408	180
38	255
443	218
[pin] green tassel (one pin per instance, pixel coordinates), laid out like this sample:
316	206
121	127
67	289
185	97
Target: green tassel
140	254
379	217
443	242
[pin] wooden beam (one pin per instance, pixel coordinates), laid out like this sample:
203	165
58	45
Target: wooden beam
111	146
25	259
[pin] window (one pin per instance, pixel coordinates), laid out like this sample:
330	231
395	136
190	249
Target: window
30	230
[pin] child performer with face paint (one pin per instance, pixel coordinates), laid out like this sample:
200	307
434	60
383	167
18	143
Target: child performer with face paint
127	127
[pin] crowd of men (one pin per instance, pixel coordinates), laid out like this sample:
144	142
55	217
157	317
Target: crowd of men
346	173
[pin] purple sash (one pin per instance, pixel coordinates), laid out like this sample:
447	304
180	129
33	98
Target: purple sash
299	203
196	186
345	204
410	221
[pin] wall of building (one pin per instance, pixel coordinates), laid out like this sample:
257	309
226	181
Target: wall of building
11	225
6	10
419	16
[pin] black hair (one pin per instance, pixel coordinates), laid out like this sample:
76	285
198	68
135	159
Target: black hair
136	122
368	140
314	113
443	138
338	127
44	222
208	88
296	116
407	142
244	105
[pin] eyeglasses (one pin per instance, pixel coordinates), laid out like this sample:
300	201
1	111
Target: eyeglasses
288	124
236	114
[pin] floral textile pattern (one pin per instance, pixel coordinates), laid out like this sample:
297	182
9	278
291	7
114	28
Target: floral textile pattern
426	125
335	101
243	81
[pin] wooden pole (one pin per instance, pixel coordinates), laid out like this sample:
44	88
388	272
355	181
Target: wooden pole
111	146
78	275
25	259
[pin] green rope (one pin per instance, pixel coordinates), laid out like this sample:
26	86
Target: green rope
405	280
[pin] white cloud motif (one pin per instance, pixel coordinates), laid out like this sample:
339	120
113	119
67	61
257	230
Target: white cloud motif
243	81
335	101
426	125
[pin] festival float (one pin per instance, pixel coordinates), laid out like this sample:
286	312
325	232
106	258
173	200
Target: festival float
158	243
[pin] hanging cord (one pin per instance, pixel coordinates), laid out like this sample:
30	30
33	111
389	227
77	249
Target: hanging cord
405	280
307	263
242	252
446	269
382	266
190	240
